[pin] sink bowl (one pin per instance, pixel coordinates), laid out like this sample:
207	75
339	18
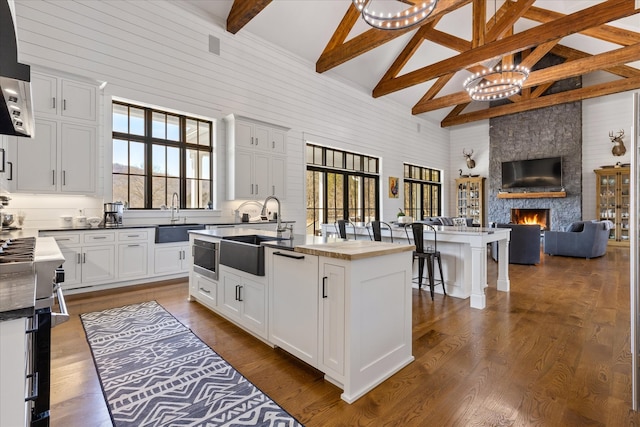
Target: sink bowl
169	233
244	253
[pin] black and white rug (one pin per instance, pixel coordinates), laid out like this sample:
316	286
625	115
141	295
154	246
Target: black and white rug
155	372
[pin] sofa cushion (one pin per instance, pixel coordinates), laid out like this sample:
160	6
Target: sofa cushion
446	220
577	226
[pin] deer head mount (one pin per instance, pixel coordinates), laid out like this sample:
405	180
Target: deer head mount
618	146
470	162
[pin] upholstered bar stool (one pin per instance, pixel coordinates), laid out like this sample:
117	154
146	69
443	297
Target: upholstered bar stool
426	255
376	227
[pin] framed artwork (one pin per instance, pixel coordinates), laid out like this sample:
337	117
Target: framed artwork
393	187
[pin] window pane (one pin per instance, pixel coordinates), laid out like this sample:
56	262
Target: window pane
309	152
173	128
205	164
191	198
329	156
158	192
158	125
205	193
173	186
317	156
120	118
136	192
338	159
120	157
120	187
173	161
191	131
137	158
205	134
349	162
192	164
136	121
159	160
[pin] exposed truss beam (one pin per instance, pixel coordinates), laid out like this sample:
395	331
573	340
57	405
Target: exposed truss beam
243	11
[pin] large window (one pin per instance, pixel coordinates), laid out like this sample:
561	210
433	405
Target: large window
157	154
340	185
422	192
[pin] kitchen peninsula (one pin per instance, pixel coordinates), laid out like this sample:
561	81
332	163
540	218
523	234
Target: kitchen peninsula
343	307
464	256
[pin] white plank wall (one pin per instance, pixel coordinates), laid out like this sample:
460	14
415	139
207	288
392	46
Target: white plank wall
155	52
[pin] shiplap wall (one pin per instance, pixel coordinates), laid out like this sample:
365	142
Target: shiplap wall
156	53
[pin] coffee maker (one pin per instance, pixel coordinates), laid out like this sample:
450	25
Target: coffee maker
113	214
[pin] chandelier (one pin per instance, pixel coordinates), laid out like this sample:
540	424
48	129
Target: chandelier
395	14
496	82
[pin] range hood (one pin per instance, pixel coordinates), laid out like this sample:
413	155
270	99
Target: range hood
16	107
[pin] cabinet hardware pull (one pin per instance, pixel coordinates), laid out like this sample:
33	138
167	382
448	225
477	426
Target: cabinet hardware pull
64	177
256	140
10	171
133	235
239	292
98	237
64	104
286	255
273	144
133	246
79	258
59	239
273	190
257	190
205	290
84	258
251	140
54	102
53	177
236	292
324	287
34	387
251	188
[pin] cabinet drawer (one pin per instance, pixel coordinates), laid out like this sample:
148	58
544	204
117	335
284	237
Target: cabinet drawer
133	235
99	238
66	239
207	290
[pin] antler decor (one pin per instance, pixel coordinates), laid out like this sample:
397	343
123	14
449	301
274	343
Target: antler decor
470	162
618	146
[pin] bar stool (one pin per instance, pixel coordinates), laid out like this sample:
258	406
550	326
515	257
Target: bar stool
341	228
376	226
428	254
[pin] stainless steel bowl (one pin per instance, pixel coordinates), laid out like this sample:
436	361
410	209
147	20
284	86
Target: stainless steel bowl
7	220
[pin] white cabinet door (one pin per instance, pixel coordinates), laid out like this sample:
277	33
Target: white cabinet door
332	318
132	260
253	297
77	149
261	175
98	263
45	93
72	267
36	167
293	304
169	259
244	135
261	138
78	100
244	175
229	302
278	179
278	141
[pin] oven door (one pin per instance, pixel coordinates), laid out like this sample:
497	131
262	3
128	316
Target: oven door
206	257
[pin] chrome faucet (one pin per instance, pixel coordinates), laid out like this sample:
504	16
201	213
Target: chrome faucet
175	207
279	227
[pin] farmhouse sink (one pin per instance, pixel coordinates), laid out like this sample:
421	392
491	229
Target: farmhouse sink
244	253
169	233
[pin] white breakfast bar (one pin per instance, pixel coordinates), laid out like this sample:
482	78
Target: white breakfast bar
464	256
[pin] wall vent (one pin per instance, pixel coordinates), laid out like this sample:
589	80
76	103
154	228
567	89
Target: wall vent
214	45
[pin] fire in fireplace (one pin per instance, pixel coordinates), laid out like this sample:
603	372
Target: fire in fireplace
532	216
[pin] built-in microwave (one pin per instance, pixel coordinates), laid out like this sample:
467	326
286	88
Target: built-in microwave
206	258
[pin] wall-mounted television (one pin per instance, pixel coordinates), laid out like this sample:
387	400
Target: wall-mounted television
545	172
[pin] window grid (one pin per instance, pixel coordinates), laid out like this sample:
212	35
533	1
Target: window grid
422	192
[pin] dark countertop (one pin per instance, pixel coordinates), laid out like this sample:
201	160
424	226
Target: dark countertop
124	227
284	244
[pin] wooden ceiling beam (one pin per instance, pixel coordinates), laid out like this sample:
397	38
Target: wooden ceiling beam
243	11
569	24
373	38
546	75
594	91
479	24
572	54
342	32
506	18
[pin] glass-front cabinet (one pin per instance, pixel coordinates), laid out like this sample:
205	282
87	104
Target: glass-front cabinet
613	201
470	199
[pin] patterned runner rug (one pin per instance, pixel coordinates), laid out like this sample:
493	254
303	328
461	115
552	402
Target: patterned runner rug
155	372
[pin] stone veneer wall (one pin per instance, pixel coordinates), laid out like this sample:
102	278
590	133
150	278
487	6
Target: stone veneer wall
548	132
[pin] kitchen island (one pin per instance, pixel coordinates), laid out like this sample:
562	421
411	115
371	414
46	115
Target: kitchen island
343	307
464	256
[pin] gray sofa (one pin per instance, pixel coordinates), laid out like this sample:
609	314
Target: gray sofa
582	239
445	220
524	244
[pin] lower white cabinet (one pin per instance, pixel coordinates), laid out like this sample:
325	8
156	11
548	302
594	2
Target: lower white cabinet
132	260
204	289
171	258
243	298
332	318
293	303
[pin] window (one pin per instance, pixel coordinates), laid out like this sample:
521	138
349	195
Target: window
156	154
340	185
422	192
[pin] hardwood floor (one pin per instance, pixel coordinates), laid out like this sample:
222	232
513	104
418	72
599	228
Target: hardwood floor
555	351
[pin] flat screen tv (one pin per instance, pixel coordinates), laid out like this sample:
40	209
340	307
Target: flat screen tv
545	172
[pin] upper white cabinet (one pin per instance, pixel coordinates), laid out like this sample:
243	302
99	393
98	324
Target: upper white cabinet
62	155
256	159
56	96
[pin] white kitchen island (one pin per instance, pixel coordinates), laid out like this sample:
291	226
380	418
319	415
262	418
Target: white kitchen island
464	257
343	307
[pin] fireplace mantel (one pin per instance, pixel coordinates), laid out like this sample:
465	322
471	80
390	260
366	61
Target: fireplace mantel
539	195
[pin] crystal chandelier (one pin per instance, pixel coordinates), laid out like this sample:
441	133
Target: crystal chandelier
394	14
496	82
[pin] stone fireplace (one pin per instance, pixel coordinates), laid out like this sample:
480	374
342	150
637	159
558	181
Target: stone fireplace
541	217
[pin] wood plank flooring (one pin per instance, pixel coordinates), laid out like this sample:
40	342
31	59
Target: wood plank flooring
555	351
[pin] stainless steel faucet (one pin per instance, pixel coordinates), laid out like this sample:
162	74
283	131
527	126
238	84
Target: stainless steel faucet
175	208
279	227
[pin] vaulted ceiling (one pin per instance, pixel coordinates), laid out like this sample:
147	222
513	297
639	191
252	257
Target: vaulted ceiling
424	67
